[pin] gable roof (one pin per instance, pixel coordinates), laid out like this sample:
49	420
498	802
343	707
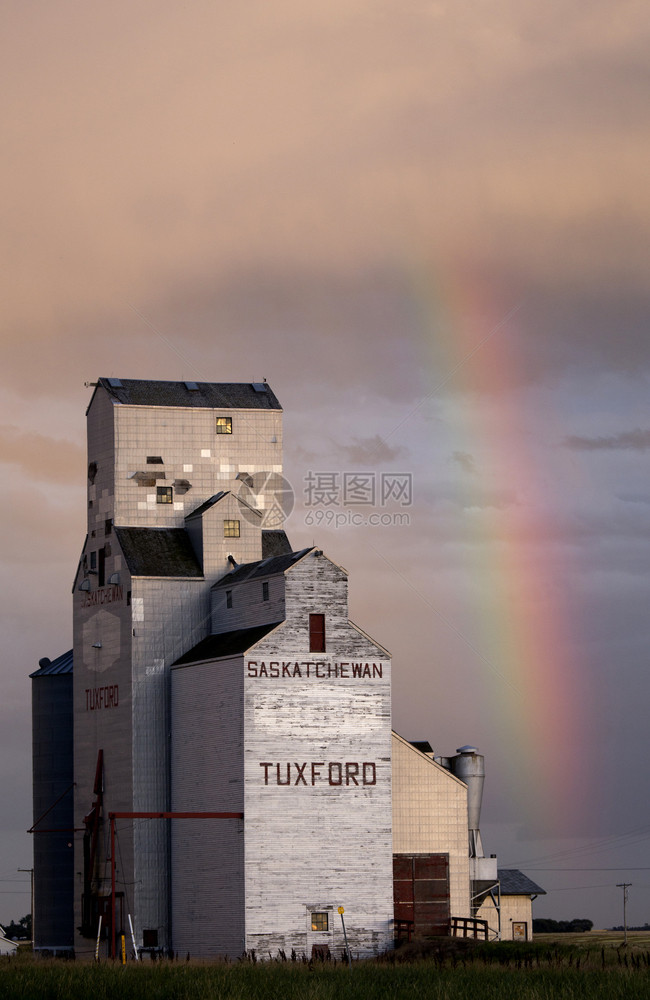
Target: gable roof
158	552
206	395
263	567
201	509
515	883
225	644
61	665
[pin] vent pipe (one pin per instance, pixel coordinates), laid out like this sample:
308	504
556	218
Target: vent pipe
469	766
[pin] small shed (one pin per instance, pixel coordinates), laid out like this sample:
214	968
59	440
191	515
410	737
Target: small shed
517	893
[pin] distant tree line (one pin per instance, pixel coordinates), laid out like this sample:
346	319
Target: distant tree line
542	925
21	931
646	927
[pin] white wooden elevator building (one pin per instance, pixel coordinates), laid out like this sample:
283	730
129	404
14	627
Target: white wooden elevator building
217	746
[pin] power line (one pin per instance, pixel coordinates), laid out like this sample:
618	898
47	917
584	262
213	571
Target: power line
638	869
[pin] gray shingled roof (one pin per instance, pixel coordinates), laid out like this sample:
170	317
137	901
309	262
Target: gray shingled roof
515	883
158	552
61	665
265	567
226	644
275	543
201	509
207	395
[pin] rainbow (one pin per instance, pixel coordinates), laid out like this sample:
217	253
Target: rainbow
518	602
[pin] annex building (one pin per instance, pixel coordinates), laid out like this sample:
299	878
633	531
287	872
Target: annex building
214	767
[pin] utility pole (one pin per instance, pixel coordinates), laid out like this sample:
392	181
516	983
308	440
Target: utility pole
624	886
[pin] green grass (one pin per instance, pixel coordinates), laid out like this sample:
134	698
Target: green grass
544	970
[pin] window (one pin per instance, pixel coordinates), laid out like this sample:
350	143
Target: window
164	494
101	569
229	598
154	460
317	633
224	425
108	525
150	938
93	560
319	922
231	529
265	591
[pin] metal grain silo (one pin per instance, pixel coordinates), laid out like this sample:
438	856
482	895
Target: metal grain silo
53	916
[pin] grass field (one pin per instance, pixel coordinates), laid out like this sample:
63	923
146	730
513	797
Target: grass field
591	966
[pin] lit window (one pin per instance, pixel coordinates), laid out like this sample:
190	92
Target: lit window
164	494
265	591
319	922
224	425
317	633
229	598
231	529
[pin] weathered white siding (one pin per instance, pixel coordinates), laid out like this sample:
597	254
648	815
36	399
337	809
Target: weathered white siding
430	816
247	605
130	716
208	776
317	776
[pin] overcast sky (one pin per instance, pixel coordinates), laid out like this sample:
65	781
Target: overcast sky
427	226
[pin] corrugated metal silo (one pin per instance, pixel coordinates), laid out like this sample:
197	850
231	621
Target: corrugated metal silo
53	918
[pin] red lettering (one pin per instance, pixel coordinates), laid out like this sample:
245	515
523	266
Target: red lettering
252	668
288	781
301	777
314	772
369	773
333	766
350	770
274	669
377	670
266	767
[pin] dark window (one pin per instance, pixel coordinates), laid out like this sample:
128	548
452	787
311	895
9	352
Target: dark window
224	425
319	922
164	494
317	633
150	938
265	591
108	525
229	598
231	529
101	573
92	472
154	460
93	560
128	597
